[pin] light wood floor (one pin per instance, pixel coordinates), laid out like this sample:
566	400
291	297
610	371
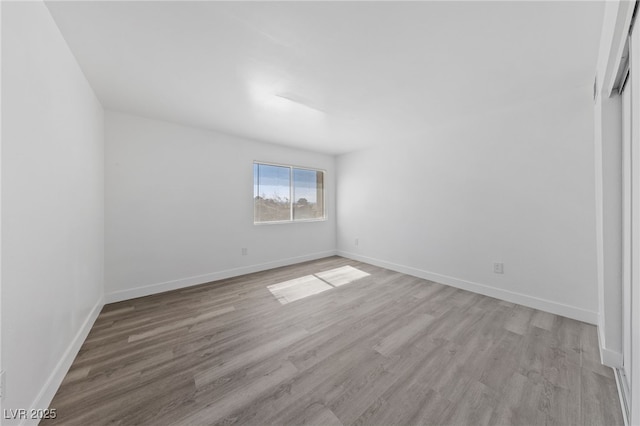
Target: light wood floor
384	349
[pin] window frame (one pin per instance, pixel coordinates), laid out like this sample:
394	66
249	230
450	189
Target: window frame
324	217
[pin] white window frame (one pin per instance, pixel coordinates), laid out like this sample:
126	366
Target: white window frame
324	217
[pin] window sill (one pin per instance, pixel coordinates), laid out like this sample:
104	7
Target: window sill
285	222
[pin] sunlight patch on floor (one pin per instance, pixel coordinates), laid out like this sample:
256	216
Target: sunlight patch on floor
290	291
342	276
299	288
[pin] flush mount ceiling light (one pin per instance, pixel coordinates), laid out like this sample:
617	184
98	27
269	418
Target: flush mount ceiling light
300	101
278	105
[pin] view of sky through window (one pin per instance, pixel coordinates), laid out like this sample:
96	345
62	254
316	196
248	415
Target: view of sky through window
284	193
274	182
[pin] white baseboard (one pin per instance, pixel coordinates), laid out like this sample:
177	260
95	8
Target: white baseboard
611	358
150	289
601	342
608	357
54	380
561	309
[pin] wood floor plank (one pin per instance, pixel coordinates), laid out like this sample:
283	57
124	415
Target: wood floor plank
248	357
231	403
179	324
376	347
319	417
402	335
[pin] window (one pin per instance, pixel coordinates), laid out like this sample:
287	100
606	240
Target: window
286	193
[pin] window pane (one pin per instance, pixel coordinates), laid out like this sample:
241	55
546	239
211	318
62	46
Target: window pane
271	193
308	194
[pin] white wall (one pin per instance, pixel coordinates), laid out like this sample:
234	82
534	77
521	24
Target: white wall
52	205
514	185
179	207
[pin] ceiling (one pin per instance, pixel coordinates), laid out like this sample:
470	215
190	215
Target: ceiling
331	77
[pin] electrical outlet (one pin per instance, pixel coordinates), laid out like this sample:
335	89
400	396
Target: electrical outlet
245	251
3	386
498	268
356	242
